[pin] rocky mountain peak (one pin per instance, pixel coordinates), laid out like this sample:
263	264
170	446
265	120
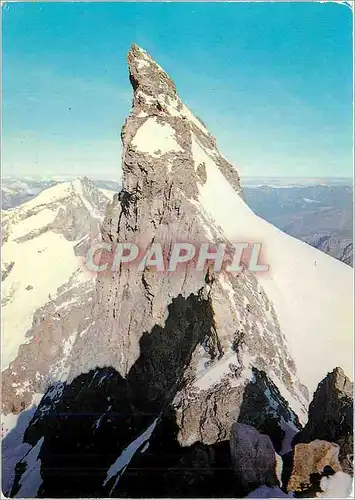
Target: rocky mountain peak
162	364
146	75
173	145
340	381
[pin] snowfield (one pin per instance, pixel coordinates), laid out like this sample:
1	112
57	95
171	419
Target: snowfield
40	259
44	264
312	292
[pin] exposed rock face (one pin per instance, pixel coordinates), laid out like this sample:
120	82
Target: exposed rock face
257	403
312	458
167	361
253	458
331	416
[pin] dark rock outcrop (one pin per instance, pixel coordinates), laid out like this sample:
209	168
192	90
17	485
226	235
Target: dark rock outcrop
253	458
331	416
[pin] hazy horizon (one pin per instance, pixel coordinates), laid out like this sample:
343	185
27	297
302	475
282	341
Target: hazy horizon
244	178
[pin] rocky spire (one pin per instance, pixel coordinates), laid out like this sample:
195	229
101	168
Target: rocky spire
181	354
168	155
147	76
162	116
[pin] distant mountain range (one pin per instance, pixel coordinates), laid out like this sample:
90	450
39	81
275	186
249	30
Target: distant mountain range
319	214
257	181
17	190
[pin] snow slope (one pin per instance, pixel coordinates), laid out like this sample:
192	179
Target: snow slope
44	263
40	257
311	291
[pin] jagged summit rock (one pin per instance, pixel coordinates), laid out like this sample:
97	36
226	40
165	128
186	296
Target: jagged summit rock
339	381
166	122
146	75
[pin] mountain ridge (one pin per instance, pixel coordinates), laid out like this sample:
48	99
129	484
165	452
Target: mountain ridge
45	233
160	366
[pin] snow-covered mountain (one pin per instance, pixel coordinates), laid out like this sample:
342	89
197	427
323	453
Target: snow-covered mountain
46	291
306	286
150	378
17	190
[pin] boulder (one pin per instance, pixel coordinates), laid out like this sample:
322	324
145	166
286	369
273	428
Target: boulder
267	492
253	458
311	459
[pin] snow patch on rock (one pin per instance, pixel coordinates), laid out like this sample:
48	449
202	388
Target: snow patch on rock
337	486
155	138
123	460
31	479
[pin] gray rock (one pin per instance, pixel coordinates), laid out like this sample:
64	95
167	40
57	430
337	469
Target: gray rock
253	457
267	492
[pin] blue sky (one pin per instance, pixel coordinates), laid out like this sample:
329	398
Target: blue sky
272	81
